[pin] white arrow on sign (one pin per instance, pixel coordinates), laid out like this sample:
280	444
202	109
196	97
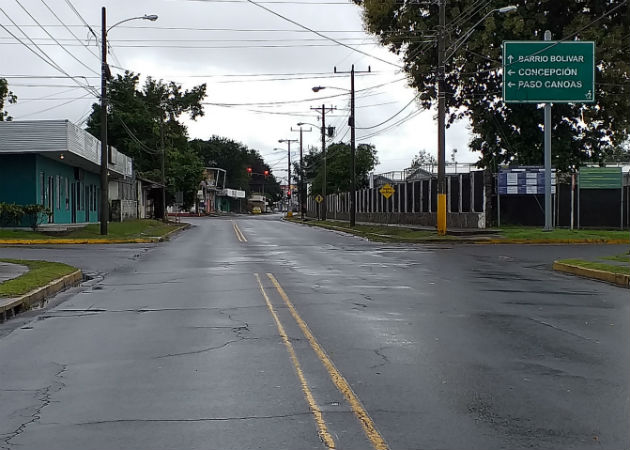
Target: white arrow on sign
510	58
511	72
510	84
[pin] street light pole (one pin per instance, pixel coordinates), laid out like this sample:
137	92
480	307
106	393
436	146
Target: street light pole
441	74
301	196
105	74
353	151
441	182
104	149
288	142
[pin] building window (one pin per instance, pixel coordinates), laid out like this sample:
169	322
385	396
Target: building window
78	187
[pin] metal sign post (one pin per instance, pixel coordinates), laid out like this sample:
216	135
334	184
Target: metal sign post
548	72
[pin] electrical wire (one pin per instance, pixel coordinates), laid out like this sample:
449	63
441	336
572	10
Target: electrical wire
54	39
321	34
69	30
53	107
44	56
390	118
87	25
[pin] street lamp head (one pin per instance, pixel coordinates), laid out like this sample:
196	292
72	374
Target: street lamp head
299	124
318	88
151	17
507	9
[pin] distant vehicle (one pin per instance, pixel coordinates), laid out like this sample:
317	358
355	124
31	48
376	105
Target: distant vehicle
256	210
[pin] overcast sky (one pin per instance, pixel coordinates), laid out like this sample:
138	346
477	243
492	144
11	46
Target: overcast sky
259	69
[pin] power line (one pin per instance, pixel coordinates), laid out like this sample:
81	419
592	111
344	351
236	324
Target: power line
321	34
87	25
43	55
54	107
392	117
54	39
69	30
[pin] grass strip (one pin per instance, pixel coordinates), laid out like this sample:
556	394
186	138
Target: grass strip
618	258
379	233
40	273
524	235
133	229
562	234
597	266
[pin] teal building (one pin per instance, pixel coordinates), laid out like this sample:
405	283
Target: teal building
56	164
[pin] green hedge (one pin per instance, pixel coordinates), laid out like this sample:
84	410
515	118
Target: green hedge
12	215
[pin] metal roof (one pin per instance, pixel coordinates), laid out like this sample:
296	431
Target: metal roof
60	140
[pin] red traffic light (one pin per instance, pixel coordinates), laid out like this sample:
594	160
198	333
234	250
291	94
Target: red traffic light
289	194
249	170
266	173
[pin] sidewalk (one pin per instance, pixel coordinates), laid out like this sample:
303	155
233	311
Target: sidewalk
9	271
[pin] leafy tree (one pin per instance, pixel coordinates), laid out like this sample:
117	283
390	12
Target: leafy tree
6	96
144	123
235	158
339	167
502	132
423	158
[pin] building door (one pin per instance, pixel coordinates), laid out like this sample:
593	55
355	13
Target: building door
86	199
73	202
50	199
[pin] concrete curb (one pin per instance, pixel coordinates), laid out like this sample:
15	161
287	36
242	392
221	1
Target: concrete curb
618	279
10	307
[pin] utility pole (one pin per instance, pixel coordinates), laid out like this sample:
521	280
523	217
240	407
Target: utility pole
288	142
441	184
353	148
162	163
323	111
301	195
104	148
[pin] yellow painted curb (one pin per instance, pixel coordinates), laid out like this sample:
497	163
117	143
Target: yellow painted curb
619	279
40	294
77	241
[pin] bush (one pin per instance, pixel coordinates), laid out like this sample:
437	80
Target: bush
10	214
36	214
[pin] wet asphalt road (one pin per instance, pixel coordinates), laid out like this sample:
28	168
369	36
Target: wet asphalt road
252	333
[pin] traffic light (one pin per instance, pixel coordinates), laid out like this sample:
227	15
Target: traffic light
249	171
289	193
266	173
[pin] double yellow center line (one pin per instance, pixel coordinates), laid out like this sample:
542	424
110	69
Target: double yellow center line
377	441
239	234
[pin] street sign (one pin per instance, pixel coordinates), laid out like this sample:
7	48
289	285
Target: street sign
548	72
387	191
319	198
524	181
600	178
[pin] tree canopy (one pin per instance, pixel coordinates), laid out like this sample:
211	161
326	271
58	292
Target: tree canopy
144	122
6	96
339	167
235	158
512	133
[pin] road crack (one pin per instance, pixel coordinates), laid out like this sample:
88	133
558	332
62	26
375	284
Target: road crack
196	420
44	397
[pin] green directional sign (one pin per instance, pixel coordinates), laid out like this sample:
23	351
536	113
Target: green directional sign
600	178
548	72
